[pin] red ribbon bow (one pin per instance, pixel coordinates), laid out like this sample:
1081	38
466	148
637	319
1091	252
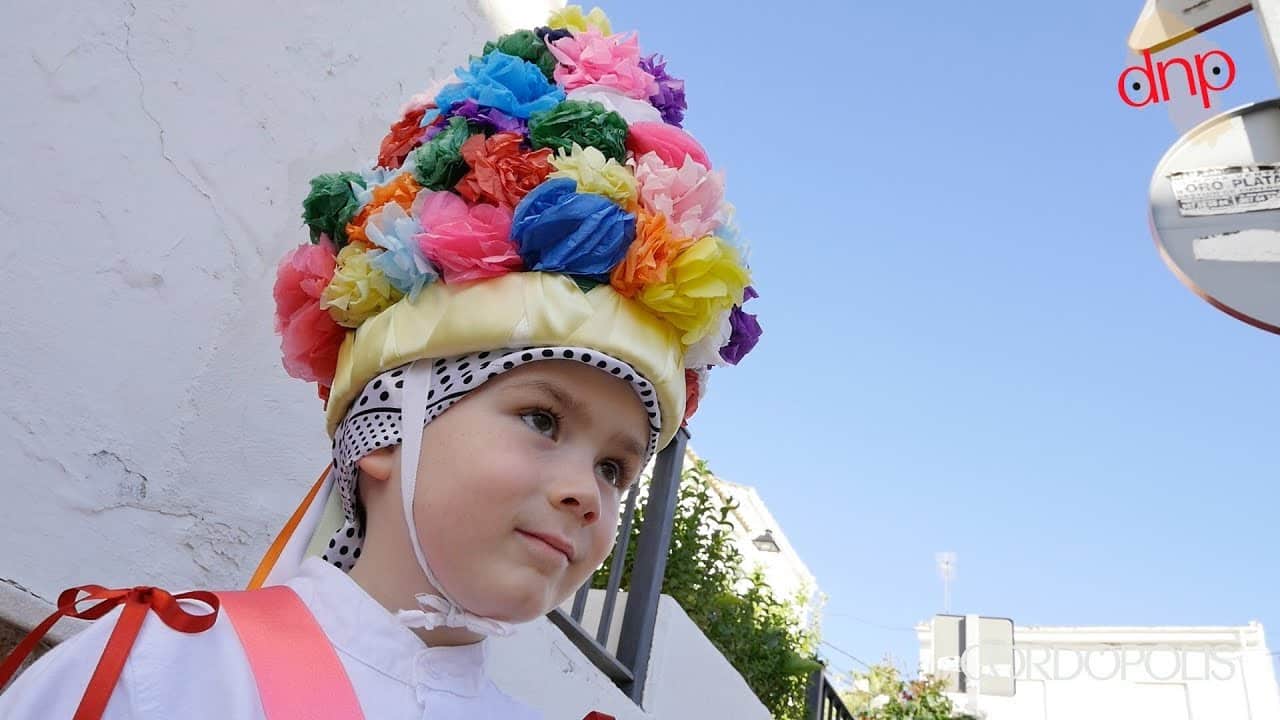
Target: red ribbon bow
137	601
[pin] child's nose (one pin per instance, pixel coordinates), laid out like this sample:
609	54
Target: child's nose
579	493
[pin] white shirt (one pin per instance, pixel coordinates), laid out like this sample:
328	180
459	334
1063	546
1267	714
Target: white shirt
176	675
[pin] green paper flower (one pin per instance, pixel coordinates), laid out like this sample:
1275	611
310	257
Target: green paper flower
438	163
330	205
525	45
584	123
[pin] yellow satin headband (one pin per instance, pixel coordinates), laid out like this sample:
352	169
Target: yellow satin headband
514	310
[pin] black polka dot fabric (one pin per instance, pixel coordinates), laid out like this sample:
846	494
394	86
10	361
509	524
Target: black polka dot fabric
373	421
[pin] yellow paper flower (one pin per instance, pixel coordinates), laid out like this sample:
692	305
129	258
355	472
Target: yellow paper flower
597	174
704	282
358	290
571	18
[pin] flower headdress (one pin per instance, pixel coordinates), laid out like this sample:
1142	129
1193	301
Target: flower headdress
547	197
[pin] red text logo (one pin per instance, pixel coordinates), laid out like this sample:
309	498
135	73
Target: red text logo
1142	85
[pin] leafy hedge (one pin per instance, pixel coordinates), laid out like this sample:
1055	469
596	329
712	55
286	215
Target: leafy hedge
759	633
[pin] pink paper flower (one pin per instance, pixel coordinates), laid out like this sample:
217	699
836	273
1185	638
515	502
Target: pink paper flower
668	141
691	197
593	58
310	339
466	242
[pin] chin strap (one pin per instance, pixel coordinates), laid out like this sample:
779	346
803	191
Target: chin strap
436	610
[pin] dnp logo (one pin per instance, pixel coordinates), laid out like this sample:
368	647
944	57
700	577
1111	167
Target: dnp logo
1142	85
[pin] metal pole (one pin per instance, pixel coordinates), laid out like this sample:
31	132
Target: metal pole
1268	12
973	683
641	614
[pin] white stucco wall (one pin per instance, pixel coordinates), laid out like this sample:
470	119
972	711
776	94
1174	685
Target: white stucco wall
688	678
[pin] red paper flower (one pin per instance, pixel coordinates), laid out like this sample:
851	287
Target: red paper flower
502	172
309	337
405	135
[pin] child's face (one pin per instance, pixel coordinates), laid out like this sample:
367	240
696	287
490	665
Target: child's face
520	482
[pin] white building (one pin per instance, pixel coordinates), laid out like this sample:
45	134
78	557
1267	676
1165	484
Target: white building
1123	673
763	544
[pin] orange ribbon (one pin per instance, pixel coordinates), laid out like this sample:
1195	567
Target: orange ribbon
137	601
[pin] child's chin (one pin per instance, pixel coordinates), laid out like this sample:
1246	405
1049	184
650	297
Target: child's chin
519	605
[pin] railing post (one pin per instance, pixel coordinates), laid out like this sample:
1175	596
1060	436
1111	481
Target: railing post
636	640
813	698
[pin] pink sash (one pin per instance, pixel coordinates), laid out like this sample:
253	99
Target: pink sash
298	673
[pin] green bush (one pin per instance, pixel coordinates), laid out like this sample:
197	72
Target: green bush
881	693
759	633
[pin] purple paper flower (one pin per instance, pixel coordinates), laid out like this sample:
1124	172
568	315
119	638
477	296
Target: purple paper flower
670	96
746	331
489	119
486	119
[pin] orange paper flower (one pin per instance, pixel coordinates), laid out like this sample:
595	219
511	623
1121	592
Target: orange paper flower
401	190
649	256
502	173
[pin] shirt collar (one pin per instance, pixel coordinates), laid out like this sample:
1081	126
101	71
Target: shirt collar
362	628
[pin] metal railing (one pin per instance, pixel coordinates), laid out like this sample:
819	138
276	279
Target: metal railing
629	667
822	701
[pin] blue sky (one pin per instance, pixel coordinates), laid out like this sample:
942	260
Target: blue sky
970	342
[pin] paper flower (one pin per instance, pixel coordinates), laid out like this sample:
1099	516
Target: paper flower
488	120
406	134
706	352
746	332
670	143
402	263
594	58
465	242
704	281
692	197
549	35
331	204
649	256
438	165
526	45
631	109
358	290
695	386
309	338
561	230
588	124
502	172
669	99
401	190
597	174
571	18
508	83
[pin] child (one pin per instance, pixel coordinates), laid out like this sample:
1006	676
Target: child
507	316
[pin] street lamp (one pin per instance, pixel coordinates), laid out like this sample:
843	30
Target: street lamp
766	543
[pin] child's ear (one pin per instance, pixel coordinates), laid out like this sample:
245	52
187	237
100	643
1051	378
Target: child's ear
378	464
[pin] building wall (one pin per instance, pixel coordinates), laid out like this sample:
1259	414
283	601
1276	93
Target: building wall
784	570
1105	673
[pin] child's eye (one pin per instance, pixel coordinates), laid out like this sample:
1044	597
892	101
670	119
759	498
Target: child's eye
614	473
542	421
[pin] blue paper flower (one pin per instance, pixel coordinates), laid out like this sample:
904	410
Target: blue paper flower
558	229
374	178
498	80
403	263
